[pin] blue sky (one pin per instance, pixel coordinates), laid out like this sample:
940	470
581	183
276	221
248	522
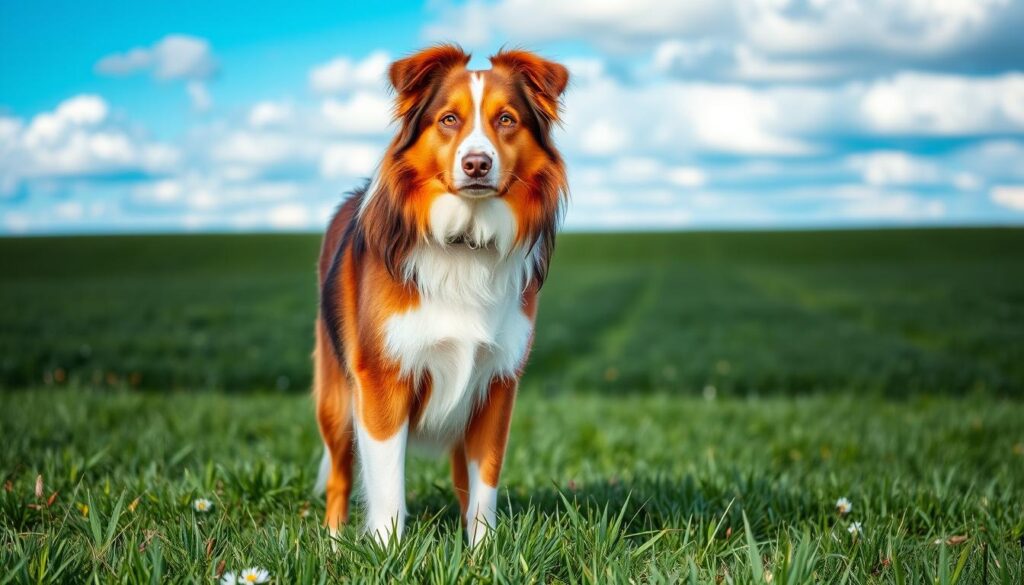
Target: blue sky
220	116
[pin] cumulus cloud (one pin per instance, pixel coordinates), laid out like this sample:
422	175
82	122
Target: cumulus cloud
349	160
606	116
78	138
289	216
615	24
869	204
363	113
634	171
760	39
343	74
174	57
651	138
270	114
895	168
256	148
913	103
603	137
1009	196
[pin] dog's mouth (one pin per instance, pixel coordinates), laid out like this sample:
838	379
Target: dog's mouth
478	190
465	241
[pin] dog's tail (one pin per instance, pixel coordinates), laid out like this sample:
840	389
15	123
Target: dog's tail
321	477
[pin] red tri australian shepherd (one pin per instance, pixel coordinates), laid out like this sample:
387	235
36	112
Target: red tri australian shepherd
429	279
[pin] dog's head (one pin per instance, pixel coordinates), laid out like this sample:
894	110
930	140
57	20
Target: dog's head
466	140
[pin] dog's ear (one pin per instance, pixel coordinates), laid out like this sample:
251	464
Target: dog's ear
545	81
415	79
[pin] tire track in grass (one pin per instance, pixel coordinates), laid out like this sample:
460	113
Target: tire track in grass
614	337
818	300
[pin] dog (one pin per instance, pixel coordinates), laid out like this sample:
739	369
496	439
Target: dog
429	277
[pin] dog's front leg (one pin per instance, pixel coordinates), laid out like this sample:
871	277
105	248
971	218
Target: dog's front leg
484	445
382	429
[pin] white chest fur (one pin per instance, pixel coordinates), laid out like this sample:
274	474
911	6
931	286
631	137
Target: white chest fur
469	326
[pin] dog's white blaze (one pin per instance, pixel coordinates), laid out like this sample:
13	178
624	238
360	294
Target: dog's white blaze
383	472
469	326
482	511
476	141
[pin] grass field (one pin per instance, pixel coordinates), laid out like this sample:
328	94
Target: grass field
695	405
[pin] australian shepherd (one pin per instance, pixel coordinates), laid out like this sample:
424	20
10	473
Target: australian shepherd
429	278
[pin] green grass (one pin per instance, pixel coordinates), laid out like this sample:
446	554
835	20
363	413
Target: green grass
649	488
695	405
887	312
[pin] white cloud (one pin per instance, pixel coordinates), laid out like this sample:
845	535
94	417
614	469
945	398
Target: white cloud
637	170
1009	196
633	171
202	193
915	103
261	149
343	160
717	58
583	70
603	137
895	168
967	181
69	210
81	111
737	119
172	57
612	24
609	116
266	114
343	74
758	39
289	216
870	203
907	28
687	177
77	138
655	115
624	217
363	113
160	192
17	222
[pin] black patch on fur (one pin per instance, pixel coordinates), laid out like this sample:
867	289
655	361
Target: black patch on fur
330	312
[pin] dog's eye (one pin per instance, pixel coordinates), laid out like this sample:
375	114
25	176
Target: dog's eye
449	120
506	121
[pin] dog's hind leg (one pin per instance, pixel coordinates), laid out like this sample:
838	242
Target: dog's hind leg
334	413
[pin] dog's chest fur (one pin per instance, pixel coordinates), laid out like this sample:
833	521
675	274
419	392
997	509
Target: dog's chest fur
469	326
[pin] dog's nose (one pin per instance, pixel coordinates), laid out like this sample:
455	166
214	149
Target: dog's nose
476	165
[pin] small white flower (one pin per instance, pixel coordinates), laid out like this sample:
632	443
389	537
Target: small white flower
254	575
855	529
228	578
843	506
202	505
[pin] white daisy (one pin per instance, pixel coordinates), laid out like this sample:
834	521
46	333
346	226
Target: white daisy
228	578
254	575
855	529
202	505
843	506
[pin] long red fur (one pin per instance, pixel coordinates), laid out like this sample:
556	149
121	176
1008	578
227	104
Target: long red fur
370	237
